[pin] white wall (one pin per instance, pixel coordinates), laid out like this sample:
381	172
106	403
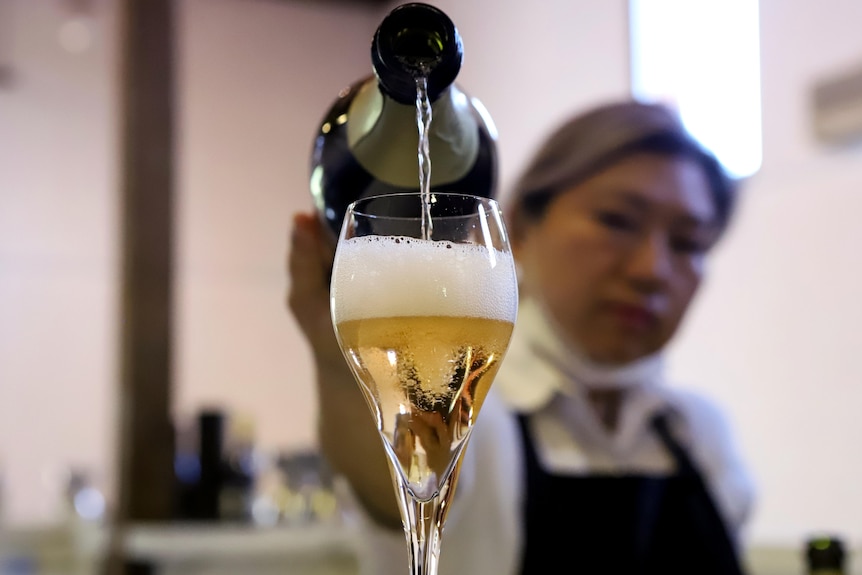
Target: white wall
58	254
775	335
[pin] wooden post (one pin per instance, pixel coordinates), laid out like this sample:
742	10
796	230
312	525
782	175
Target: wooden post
145	449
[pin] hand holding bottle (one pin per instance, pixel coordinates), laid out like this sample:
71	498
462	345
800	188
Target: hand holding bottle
310	266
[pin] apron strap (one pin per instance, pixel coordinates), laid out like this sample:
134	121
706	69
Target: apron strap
700	503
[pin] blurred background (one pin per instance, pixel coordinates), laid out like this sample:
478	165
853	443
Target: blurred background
773	337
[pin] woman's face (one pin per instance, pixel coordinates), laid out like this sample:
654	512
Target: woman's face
617	259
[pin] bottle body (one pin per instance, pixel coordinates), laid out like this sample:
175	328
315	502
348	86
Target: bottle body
367	143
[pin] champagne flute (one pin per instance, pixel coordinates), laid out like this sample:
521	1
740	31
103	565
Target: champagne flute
423	312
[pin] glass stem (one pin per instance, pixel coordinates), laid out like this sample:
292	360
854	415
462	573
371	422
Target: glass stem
423	522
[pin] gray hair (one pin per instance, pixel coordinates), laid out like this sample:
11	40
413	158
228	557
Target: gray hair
592	141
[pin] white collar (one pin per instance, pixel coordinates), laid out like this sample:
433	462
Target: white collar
539	364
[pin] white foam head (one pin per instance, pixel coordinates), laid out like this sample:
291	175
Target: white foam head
385	276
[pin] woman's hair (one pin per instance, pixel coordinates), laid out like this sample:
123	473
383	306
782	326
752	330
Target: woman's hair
592	141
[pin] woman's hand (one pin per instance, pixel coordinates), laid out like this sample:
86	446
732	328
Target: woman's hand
310	266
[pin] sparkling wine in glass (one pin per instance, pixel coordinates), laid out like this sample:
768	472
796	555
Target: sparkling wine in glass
424	323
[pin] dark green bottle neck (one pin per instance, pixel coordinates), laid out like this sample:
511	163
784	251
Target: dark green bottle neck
416	40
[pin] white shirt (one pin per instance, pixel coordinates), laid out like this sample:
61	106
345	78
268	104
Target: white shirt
483	533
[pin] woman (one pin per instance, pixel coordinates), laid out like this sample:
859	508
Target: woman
581	457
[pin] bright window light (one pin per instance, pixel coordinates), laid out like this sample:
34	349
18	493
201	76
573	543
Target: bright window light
703	58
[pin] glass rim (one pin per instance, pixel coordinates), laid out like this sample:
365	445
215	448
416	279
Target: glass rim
352	207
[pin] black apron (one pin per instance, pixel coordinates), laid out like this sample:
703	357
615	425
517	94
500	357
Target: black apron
624	524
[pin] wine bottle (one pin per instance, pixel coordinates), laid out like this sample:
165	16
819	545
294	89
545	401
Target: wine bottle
367	142
211	425
825	555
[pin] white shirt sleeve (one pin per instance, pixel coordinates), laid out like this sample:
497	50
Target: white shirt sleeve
715	451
